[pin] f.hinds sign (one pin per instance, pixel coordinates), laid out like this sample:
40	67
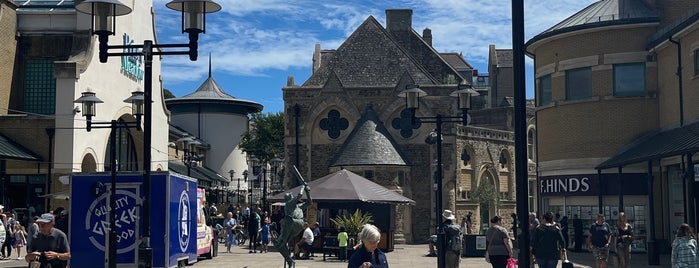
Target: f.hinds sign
593	184
565	185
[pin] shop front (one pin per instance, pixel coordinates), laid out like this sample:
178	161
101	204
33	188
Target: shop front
581	197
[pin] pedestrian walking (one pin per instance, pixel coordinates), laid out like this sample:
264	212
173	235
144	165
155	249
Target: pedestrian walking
624	237
684	248
499	243
547	242
599	240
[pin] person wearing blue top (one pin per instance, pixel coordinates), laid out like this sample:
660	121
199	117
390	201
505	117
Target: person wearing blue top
230	223
369	255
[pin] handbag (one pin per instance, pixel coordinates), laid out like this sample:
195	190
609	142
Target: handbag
511	263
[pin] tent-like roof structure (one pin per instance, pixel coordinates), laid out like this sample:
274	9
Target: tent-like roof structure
346	186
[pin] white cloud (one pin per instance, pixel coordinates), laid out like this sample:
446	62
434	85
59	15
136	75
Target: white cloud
250	38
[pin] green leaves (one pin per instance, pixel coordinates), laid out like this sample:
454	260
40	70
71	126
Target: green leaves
265	138
353	222
485	193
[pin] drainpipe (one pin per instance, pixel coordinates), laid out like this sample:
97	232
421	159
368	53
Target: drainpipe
50	132
679	78
653	258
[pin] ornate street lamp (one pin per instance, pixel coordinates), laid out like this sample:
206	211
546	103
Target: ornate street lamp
412	95
104	24
89	102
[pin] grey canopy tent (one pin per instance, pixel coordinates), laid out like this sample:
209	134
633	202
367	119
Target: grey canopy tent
344	186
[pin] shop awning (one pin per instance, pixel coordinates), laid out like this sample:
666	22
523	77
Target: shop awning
14	151
657	145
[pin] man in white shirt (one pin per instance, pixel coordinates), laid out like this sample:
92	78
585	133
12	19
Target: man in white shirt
306	242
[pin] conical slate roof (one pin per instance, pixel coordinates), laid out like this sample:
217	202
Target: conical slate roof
370	143
212	98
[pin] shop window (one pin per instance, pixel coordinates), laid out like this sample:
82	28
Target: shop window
630	79
545	90
579	83
39	87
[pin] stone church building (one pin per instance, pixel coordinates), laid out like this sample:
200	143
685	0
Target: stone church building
348	115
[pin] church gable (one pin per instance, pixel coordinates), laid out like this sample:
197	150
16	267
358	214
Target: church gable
369	57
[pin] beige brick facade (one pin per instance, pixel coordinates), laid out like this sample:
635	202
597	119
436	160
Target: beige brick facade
8	48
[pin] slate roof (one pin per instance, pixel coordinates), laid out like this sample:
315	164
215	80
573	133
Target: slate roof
211	94
661	144
381	65
198	172
456	60
15	151
370	143
602	13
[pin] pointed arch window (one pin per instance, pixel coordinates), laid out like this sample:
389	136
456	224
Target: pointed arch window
127	159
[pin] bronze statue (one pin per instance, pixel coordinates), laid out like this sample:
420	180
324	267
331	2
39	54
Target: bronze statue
293	221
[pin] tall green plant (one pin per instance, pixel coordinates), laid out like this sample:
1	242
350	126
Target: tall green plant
353	222
485	193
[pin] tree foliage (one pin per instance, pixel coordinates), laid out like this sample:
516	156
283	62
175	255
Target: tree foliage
353	222
265	138
484	193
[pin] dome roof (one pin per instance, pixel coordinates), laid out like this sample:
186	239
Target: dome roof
211	94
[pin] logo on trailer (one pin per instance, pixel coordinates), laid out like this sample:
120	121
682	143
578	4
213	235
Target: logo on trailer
97	220
183	218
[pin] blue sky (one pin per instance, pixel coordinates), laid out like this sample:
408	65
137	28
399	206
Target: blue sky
256	45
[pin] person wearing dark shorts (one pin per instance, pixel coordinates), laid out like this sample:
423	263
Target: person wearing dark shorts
598	243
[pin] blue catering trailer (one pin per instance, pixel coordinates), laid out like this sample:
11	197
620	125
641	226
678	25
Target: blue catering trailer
174	219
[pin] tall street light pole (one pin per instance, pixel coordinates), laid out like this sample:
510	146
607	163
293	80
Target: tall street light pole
232	173
520	125
89	108
412	95
104	14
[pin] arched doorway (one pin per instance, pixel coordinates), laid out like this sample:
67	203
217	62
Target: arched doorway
89	164
126	155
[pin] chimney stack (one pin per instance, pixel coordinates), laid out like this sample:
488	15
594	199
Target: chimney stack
399	19
427	36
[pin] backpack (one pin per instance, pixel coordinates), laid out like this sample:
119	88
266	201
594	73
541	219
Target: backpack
454	237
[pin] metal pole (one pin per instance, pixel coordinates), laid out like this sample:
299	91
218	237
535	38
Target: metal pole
238	193
520	125
111	258
441	239
264	189
146	252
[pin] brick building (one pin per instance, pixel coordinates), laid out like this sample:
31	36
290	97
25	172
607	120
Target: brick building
616	83
365	75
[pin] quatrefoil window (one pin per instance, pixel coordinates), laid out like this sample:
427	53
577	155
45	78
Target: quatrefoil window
405	123
334	124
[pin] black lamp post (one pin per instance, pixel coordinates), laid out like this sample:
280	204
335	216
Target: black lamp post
104	14
232	174
245	177
190	156
89	101
412	95
237	192
274	174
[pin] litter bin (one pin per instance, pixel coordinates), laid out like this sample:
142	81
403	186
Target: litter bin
474	246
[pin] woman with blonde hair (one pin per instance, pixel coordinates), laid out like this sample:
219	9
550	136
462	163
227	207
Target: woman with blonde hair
624	232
